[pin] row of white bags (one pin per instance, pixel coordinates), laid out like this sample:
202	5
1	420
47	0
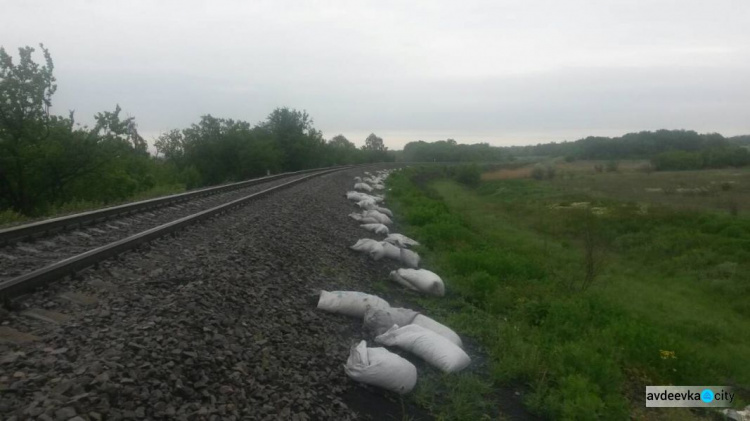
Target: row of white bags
371	182
424	337
375	180
359	196
406	329
379	249
421	280
377	315
398	240
372	216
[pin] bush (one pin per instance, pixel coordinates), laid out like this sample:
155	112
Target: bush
677	160
537	172
10	217
612	166
469	175
550	172
541	172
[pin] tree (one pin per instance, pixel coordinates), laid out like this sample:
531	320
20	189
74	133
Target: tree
48	160
374	143
25	97
341	151
172	146
451	151
110	127
339	141
296	137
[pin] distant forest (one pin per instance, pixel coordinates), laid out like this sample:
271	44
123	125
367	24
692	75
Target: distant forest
51	164
666	149
451	151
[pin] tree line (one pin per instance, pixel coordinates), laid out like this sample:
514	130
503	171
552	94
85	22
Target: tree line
451	151
667	149
48	162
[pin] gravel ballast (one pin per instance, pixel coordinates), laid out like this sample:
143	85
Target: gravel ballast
218	322
19	258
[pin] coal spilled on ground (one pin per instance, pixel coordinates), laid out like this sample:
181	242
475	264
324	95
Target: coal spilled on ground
219	322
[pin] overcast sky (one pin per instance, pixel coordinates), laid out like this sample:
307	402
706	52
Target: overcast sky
504	71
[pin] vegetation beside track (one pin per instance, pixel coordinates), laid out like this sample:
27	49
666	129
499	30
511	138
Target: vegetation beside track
583	299
51	164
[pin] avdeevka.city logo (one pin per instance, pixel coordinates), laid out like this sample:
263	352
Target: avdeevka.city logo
689	396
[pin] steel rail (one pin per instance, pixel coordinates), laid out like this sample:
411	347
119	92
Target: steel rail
14	234
29	281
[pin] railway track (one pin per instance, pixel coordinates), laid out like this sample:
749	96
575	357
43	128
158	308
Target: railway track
35	254
214	324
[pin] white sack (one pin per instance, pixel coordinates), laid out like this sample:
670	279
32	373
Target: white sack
363	244
400	240
378	198
428	345
363	219
383	210
378	185
376	228
367	204
408	257
379	320
377	251
362	186
358	179
420	280
381	217
437	327
349	303
357	196
373	248
380	367
401	281
390	251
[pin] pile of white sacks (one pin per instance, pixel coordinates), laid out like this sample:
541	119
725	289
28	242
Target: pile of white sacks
396	327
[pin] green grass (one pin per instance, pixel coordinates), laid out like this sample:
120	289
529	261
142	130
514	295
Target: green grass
9	218
668	304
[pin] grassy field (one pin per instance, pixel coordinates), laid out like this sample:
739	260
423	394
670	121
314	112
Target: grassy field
585	294
721	190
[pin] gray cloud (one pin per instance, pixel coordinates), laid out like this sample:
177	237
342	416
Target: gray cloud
509	72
